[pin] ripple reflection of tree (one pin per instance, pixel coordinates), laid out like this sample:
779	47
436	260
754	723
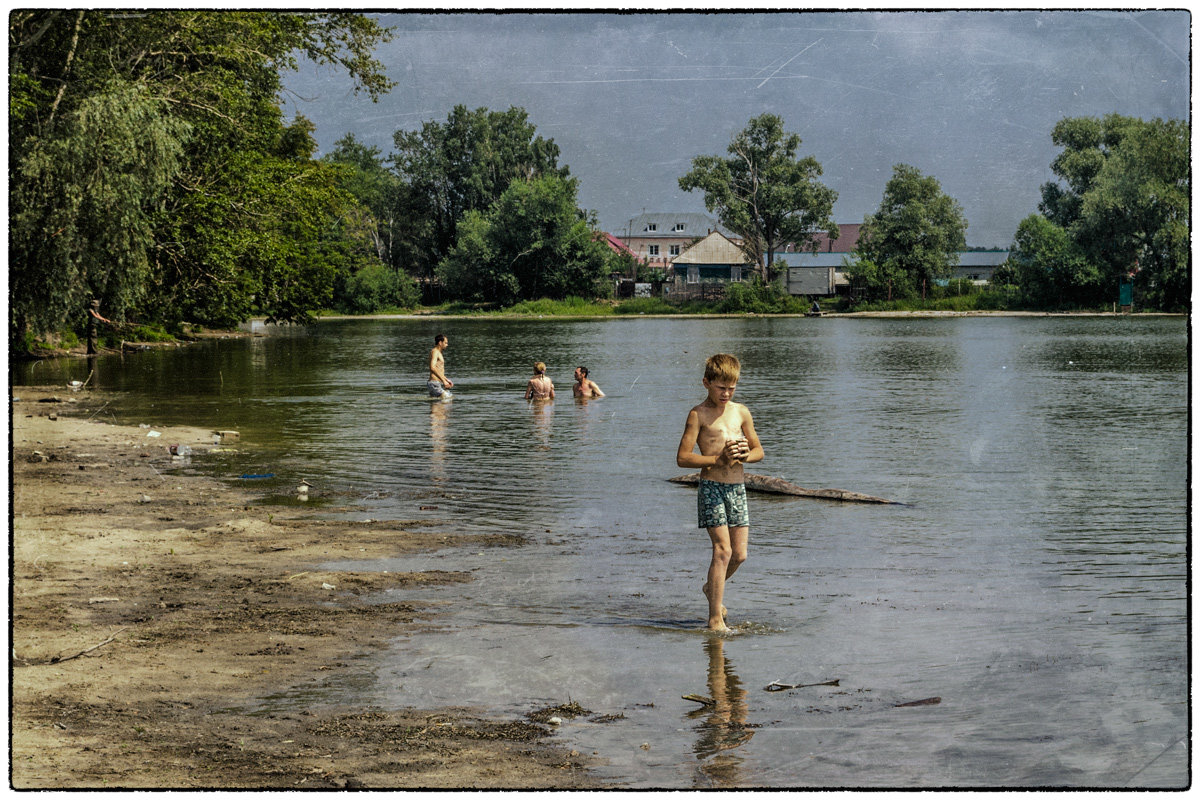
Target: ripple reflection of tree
724	727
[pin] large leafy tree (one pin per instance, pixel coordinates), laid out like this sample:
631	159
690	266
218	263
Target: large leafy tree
763	192
1050	268
159	123
914	237
81	207
463	165
1124	199
533	242
375	187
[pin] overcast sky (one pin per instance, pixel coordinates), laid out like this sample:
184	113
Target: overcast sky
969	97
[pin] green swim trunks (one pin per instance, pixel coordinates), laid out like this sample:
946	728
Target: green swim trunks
720	504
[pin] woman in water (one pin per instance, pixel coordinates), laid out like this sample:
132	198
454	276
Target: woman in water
539	387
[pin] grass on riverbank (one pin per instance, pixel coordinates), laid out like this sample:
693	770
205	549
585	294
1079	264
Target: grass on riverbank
988	300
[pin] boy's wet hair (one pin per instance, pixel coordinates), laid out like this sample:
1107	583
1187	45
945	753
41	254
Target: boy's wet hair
723	367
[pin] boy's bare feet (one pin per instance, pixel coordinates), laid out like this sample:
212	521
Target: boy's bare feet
724	610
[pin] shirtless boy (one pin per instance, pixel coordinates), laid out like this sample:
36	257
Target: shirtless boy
585	387
724	432
438	382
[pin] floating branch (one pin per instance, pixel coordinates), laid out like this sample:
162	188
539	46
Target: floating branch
769	485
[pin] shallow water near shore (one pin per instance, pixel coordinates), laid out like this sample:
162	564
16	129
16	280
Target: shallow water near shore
1035	582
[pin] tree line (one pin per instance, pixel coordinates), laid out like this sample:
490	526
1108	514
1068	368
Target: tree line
478	209
151	169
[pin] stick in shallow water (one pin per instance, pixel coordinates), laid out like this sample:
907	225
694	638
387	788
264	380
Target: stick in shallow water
769	485
776	686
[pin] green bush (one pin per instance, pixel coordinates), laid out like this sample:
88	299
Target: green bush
757	297
377	287
148	333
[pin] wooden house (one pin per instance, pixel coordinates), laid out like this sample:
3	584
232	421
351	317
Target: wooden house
709	265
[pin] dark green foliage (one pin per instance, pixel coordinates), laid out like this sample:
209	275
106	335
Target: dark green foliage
150	167
1050	269
377	190
1124	202
874	281
532	243
756	297
464	165
912	240
82	206
376	287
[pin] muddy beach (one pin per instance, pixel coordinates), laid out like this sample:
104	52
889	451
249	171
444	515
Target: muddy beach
165	629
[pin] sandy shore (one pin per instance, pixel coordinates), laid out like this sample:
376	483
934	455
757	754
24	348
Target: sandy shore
154	615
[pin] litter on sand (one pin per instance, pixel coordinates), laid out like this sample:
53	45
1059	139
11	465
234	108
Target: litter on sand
253	476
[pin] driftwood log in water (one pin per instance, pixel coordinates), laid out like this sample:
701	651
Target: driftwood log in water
769	485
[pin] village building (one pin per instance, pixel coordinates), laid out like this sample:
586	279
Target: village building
620	248
705	268
822	273
658	238
818	274
702	267
846	241
977	266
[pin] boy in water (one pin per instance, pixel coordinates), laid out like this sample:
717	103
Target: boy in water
439	384
724	432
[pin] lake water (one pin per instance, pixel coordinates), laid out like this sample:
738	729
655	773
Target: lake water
1035	579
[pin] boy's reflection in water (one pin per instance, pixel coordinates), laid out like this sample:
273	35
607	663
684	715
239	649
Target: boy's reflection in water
724	728
439	413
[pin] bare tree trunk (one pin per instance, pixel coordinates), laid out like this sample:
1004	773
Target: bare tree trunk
62	87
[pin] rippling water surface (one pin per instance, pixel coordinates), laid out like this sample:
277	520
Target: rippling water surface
1035	580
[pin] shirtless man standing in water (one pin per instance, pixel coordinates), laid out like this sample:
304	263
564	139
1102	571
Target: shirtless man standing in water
584	386
438	382
724	432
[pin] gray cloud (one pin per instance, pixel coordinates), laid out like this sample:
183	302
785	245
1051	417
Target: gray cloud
969	97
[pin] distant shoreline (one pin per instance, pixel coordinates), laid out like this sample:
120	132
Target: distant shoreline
826	315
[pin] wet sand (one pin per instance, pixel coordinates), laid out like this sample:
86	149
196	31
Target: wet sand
157	619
